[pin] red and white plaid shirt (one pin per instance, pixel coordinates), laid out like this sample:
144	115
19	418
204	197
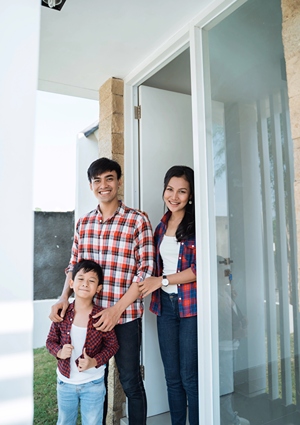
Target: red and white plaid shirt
123	246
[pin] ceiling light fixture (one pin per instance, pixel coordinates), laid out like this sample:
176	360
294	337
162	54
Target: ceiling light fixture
52	3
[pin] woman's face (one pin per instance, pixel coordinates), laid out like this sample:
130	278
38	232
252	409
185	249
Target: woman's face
177	194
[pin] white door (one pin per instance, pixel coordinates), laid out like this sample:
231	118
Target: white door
165	140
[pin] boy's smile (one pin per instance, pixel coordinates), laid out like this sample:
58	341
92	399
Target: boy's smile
85	284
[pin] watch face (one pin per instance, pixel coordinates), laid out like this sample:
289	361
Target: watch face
165	282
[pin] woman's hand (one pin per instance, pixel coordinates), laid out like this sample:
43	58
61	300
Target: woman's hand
149	285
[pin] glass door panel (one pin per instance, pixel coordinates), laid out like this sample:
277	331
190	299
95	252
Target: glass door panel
254	216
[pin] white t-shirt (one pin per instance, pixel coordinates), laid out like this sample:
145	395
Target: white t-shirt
78	336
169	251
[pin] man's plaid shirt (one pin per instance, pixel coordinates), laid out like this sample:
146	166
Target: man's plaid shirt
123	246
187	292
99	345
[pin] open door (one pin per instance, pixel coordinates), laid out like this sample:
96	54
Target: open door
165	140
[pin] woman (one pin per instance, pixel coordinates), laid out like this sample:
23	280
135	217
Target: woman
174	296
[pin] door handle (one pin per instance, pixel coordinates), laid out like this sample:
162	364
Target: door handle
226	261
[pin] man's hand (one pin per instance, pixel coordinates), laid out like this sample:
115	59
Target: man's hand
86	363
108	319
56	315
65	352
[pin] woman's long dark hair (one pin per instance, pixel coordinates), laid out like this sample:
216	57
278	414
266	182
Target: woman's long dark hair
186	227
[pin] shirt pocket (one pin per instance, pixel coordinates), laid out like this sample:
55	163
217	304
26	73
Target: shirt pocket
189	255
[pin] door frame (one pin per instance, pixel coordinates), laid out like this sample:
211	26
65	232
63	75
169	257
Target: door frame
193	35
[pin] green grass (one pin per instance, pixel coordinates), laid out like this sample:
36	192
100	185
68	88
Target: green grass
44	388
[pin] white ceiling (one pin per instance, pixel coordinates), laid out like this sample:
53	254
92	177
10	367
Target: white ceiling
89	41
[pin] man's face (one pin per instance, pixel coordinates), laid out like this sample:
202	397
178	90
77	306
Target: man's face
105	187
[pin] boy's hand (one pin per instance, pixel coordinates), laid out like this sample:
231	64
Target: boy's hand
65	352
86	363
56	315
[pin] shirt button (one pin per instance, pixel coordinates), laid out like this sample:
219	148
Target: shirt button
71	319
179	299
178	271
178	284
193	246
179	258
68	333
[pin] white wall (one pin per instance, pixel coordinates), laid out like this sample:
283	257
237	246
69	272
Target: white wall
19	34
86	152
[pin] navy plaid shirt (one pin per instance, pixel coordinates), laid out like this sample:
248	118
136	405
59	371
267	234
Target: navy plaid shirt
187	292
99	345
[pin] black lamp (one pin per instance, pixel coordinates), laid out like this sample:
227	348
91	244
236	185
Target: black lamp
53	4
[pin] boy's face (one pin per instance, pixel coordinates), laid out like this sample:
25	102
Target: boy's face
85	284
105	187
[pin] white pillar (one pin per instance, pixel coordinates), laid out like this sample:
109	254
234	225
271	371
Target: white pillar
87	151
19	34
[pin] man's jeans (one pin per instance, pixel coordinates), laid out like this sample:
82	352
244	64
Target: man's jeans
90	396
178	346
128	363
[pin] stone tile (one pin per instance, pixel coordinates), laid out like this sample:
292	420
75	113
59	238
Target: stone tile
113	104
117	143
291	36
117	123
111	86
289	8
297	162
294	104
293	75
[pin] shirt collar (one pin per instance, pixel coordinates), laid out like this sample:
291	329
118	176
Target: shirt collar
120	210
166	217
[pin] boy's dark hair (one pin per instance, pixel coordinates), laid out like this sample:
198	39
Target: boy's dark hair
102	165
88	266
186	227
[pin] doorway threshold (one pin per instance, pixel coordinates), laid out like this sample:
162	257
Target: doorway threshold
162	419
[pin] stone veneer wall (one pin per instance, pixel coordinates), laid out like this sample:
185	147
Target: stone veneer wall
111	122
111	145
291	43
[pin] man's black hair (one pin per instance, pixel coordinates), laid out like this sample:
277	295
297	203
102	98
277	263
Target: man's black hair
102	165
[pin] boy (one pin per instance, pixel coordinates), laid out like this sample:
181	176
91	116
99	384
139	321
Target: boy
81	350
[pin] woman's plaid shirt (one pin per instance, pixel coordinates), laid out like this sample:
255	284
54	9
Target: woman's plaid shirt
123	246
187	292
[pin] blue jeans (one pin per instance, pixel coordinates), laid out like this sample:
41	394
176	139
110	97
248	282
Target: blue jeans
90	396
178	346
128	362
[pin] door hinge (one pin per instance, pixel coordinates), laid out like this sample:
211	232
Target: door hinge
137	112
142	368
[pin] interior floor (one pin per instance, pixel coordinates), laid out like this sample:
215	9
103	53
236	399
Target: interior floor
262	411
258	410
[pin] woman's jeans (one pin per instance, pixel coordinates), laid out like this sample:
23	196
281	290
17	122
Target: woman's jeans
90	397
178	346
128	363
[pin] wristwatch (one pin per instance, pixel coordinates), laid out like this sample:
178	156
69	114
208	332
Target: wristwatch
164	281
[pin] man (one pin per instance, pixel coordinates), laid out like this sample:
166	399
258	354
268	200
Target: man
120	240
